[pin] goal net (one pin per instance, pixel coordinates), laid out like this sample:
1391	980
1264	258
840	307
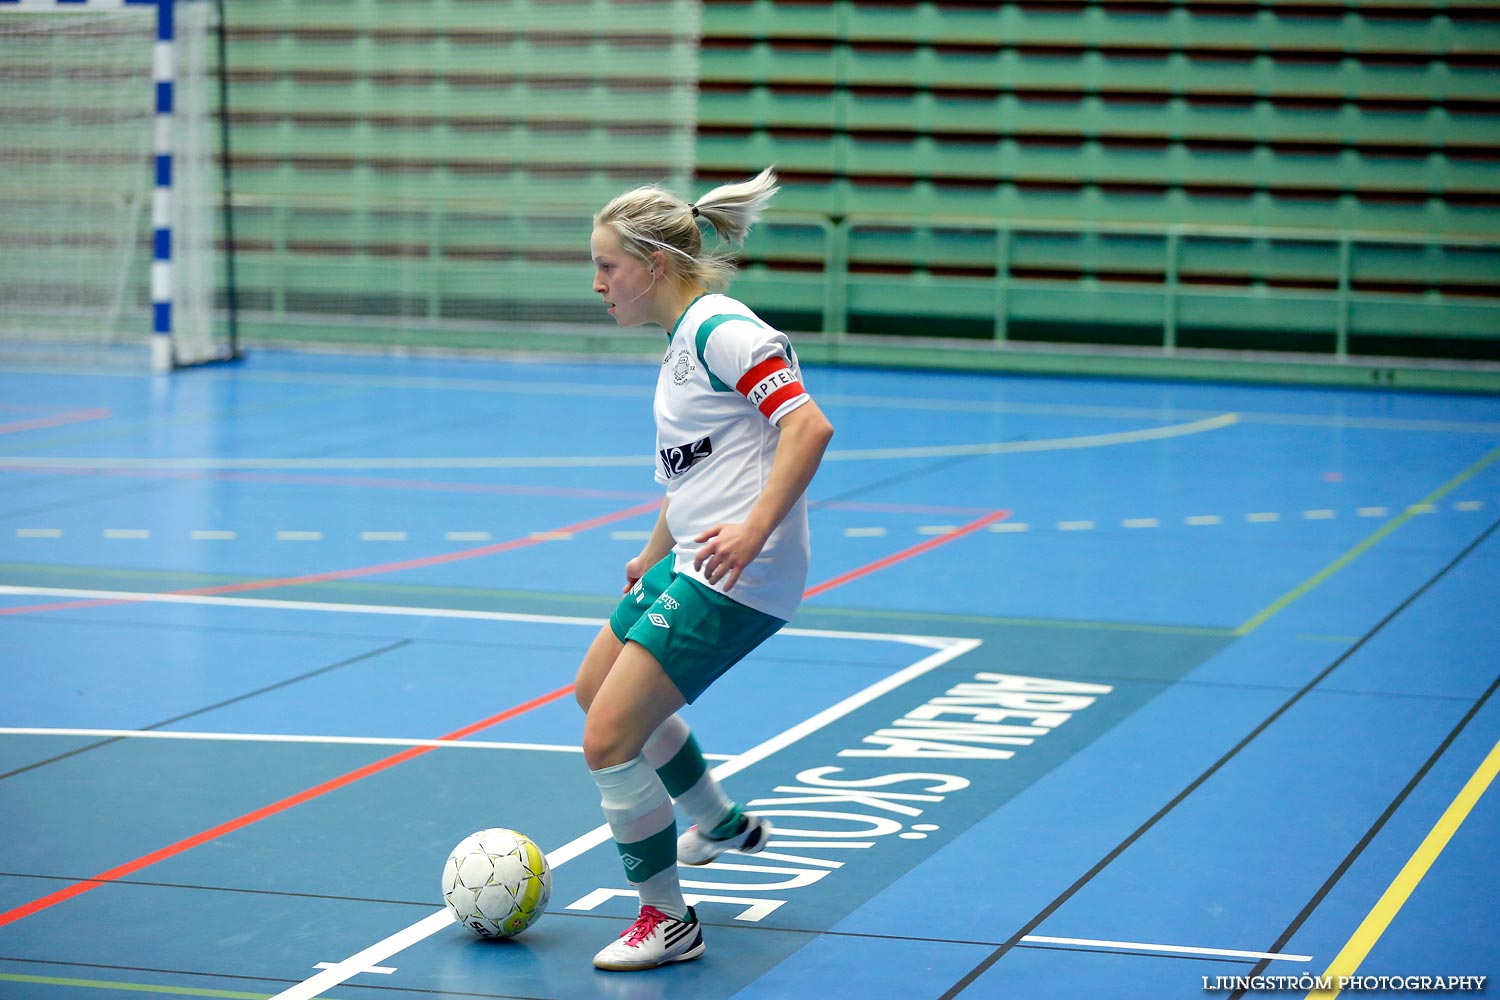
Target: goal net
110	186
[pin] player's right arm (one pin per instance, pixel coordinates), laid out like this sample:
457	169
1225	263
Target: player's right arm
657	547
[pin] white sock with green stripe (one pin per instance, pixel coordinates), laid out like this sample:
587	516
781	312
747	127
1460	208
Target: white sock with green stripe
640	816
674	753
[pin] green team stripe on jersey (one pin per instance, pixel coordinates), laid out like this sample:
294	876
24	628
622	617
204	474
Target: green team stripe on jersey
705	328
673	332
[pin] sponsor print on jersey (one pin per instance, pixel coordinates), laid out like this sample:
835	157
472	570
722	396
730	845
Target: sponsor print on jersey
680	458
770	384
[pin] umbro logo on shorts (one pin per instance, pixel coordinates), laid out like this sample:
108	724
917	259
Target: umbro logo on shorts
658	620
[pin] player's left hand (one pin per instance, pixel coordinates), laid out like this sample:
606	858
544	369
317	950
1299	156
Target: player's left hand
726	550
634	570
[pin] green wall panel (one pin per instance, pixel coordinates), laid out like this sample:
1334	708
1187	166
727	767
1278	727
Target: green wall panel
1013	168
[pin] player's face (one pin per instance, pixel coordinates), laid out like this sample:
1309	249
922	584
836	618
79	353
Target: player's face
621	279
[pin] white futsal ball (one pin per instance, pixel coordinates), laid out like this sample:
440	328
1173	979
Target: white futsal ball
497	882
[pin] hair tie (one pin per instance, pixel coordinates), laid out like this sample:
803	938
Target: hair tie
694	210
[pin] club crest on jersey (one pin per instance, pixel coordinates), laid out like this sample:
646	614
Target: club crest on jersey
677	460
683	368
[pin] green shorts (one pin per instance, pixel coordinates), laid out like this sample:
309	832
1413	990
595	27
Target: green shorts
695	633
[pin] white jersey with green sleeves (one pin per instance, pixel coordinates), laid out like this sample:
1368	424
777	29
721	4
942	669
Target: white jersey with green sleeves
726	382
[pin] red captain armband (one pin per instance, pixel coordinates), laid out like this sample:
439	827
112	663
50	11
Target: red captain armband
770	384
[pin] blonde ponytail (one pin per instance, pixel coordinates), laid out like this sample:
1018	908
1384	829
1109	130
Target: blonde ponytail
733	208
649	219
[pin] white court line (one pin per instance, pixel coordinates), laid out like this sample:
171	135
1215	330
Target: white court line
408	611
1178	948
616	461
382	951
946	649
1156	413
379	970
147	597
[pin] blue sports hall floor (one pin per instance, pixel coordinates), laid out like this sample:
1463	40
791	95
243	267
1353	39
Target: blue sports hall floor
1101	688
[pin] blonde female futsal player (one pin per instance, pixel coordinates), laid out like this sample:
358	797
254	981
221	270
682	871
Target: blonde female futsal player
738	440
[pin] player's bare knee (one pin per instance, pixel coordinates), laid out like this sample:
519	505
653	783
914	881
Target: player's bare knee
605	745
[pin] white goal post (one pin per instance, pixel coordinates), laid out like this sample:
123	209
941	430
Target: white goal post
110	180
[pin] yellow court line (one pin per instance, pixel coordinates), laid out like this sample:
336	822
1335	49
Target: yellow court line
1307	586
101	984
1395	896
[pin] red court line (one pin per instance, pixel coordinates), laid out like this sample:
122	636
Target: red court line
905	554
223	829
38	423
345	574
